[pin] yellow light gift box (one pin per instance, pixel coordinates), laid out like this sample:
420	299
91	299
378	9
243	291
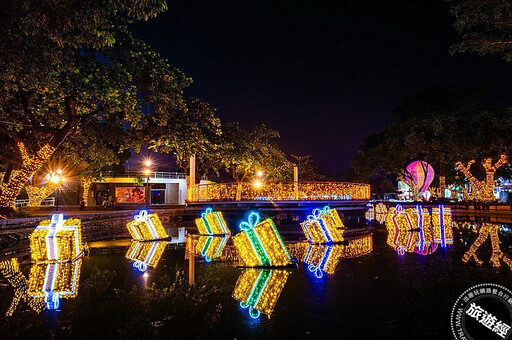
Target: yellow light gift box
53	281
258	290
407	219
56	239
442	225
212	223
146	227
260	244
144	254
323	226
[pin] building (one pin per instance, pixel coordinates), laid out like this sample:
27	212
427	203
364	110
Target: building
131	187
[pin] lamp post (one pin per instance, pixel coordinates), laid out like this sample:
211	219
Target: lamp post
58	179
148	191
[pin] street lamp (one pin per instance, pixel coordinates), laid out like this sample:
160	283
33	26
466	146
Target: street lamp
148	192
57	178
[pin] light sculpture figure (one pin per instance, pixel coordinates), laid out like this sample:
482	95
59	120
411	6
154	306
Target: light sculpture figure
145	254
421	173
212	223
376	212
56	239
146	227
323	226
53	281
407	219
260	244
442	225
488	230
259	289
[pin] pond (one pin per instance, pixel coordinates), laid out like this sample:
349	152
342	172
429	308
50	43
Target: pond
381	282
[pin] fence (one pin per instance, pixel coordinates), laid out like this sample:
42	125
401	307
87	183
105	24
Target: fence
279	191
50	201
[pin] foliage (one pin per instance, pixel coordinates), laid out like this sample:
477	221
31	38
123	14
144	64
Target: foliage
485	26
308	169
74	78
246	152
440	125
199	135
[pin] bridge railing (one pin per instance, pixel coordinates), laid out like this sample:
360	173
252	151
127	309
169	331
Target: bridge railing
279	191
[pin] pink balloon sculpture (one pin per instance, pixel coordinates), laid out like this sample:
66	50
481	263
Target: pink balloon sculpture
421	173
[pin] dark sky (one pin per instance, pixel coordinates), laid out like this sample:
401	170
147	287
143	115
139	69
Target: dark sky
325	75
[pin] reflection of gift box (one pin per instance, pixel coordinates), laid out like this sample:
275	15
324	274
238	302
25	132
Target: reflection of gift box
259	243
53	281
442	225
259	289
323	258
323	226
145	253
410	241
407	219
212	223
56	239
146	227
210	247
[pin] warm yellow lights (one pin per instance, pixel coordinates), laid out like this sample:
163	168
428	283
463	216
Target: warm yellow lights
56	240
11	272
260	173
278	191
212	223
323	226
144	254
148	162
488	230
259	289
324	258
146	227
482	190
260	244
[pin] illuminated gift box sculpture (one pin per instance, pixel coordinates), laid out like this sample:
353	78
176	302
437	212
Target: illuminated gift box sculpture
259	243
259	289
323	226
210	247
212	223
442	225
407	219
144	254
146	227
53	281
56	240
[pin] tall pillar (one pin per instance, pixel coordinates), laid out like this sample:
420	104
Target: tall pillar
192	179
296	180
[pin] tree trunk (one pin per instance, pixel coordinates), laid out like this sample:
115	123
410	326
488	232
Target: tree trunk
31	163
483	190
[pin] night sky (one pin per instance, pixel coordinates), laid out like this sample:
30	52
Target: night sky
325	75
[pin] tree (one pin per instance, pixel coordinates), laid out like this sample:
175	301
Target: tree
442	126
485	26
308	169
199	135
73	74
246	152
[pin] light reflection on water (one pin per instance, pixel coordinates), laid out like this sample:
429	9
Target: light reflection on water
250	292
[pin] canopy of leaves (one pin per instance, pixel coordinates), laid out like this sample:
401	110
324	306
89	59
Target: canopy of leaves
485	26
441	126
74	77
246	152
